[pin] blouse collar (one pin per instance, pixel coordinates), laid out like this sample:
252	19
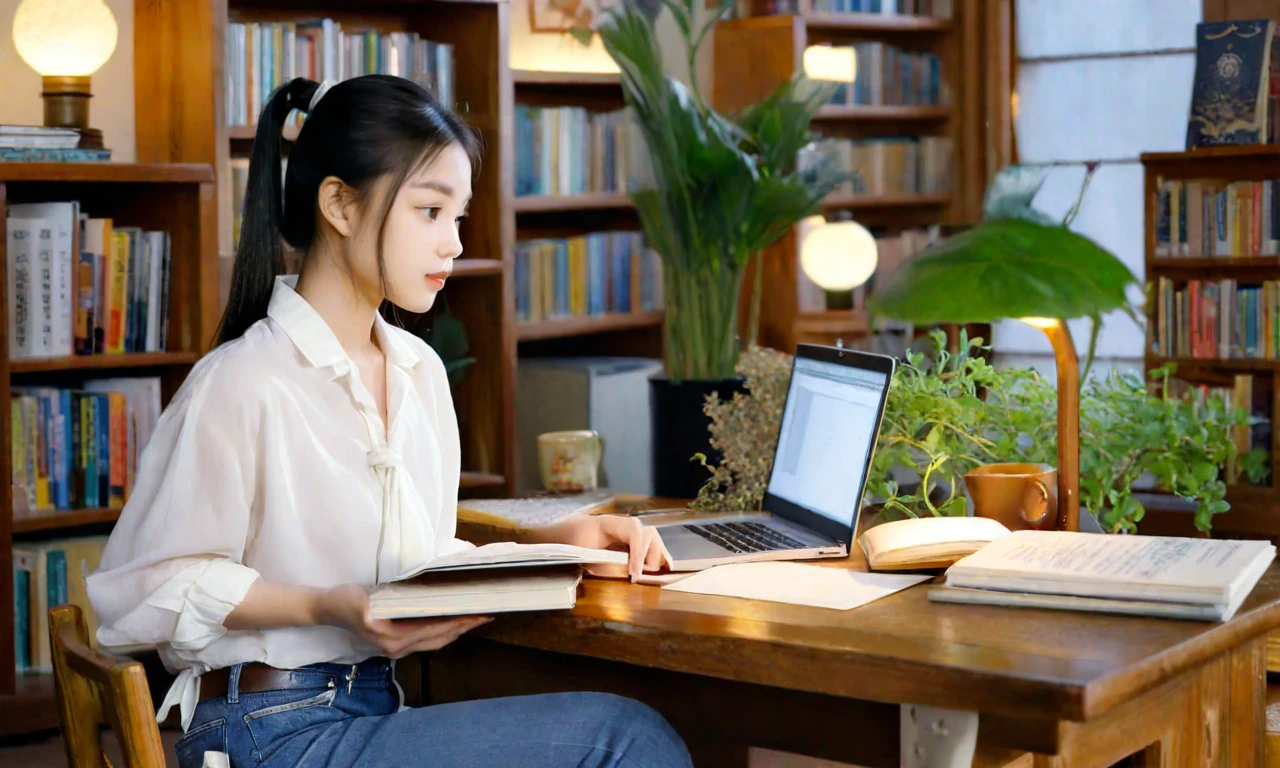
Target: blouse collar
315	339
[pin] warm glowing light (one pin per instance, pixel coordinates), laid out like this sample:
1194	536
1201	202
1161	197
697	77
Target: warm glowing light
839	256
64	37
1043	323
829	62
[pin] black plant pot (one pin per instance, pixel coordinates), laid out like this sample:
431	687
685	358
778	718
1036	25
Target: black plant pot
681	429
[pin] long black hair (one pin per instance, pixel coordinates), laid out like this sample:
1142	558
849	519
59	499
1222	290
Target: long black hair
361	130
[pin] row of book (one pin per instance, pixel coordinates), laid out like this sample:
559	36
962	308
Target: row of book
1217	319
81	285
586	275
261	56
571	150
1239	391
46	574
1206	218
890	166
892	251
887	75
937	8
79	448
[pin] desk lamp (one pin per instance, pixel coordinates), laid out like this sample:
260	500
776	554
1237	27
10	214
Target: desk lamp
1018	263
66	41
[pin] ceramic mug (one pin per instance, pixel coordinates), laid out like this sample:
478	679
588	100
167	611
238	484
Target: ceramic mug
570	461
1021	496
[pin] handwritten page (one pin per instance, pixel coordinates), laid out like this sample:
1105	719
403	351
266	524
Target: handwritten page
532	511
1153	560
796	584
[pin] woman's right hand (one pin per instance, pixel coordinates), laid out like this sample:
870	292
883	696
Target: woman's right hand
347	606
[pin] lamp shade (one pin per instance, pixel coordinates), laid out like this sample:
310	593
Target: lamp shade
826	62
839	255
64	37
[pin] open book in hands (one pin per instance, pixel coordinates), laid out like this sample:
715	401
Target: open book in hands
495	578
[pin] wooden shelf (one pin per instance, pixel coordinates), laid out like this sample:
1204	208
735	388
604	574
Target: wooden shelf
241	132
99	362
869	112
1261	151
144	173
465	267
481	480
539	77
581	326
64	518
1232	364
1221	262
588	202
875	22
32	708
886	201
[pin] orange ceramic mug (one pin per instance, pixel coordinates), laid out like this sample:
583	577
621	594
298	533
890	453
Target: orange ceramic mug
1021	496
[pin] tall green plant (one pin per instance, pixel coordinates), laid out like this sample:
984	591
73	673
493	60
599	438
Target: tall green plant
715	191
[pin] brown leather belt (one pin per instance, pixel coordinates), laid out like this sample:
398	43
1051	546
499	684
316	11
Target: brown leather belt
256	677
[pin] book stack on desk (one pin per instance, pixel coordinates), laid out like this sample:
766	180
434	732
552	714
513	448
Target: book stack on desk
1205	579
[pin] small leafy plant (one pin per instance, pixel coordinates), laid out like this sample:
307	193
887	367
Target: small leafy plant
949	413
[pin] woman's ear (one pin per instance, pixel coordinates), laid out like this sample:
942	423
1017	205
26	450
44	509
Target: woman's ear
338	205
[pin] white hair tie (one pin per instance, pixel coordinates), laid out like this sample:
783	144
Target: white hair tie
321	90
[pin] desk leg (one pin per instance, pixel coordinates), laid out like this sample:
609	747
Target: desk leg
937	738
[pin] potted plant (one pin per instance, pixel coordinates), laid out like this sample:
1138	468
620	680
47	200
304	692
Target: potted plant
949	413
713	192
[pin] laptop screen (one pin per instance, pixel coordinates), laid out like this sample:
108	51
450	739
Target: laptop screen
829	427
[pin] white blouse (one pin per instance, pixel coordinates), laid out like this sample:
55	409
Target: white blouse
272	460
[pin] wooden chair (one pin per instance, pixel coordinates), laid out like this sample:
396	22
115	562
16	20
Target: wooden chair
95	689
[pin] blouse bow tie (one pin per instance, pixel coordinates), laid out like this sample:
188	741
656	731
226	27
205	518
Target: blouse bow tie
404	544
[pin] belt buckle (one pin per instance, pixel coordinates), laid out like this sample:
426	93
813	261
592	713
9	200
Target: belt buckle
350	678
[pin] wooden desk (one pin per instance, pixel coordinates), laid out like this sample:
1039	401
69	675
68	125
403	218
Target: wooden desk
1075	689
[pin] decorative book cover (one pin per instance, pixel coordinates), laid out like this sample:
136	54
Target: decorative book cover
1232	83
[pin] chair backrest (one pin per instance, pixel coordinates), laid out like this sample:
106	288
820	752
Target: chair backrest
95	688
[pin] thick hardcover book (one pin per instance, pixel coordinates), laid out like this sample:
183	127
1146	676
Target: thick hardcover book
1230	96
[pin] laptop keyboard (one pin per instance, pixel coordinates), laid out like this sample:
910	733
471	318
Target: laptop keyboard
741	538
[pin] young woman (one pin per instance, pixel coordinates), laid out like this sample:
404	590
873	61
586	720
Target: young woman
314	452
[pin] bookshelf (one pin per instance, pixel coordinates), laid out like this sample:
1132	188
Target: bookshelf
1174	271
176	198
974	49
184	93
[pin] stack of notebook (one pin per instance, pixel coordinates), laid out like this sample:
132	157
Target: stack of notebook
1206	579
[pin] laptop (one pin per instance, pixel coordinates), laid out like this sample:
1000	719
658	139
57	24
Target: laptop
830	423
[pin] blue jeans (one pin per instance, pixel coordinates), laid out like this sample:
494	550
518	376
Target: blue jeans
324	719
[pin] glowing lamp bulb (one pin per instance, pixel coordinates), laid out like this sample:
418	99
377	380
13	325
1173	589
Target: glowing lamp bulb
839	256
64	37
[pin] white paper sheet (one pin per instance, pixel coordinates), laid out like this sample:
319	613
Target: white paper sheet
797	584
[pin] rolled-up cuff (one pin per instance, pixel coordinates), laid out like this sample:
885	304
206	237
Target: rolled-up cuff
202	595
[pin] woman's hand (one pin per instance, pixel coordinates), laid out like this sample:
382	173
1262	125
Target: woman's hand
348	606
647	552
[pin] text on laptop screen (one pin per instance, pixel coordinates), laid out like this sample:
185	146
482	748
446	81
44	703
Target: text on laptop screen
827	430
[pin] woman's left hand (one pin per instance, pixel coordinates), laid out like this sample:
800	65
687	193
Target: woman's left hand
647	552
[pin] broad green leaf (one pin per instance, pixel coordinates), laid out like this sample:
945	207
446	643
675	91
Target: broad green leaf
1006	268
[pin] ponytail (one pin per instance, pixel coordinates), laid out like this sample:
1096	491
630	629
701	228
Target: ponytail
360	130
260	252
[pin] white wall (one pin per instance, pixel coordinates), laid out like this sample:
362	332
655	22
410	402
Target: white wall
1077	101
111	109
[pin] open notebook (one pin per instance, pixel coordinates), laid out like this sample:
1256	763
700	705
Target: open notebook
495	578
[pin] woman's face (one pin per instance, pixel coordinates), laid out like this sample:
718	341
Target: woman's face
420	240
